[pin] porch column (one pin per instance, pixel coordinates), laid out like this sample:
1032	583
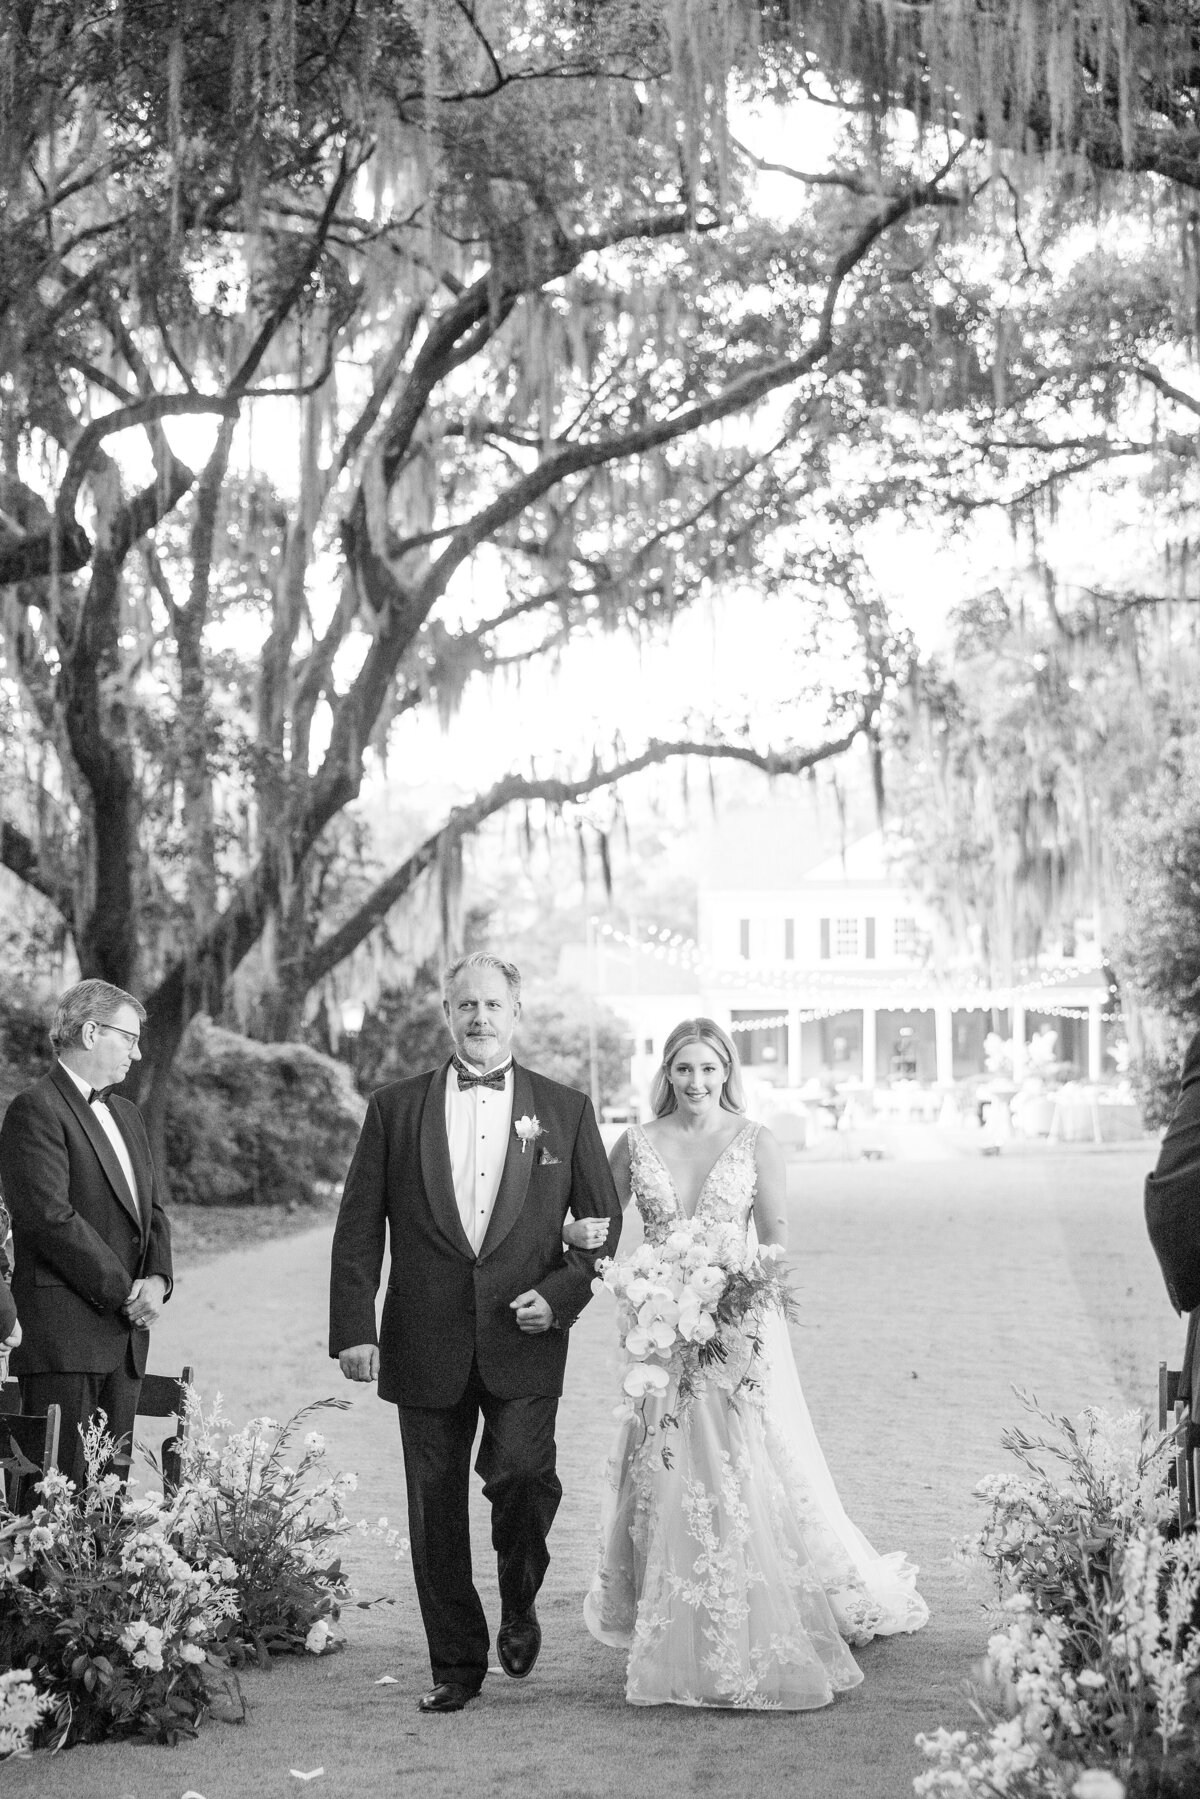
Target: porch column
793	1047
1095	1041
868	1046
943	1039
1018	1040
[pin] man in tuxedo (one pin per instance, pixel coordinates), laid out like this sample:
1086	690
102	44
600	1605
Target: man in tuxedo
92	1245
470	1171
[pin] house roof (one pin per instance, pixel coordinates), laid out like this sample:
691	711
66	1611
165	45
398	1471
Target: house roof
787	846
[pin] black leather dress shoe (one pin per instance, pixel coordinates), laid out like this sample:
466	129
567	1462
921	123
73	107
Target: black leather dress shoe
446	1696
517	1643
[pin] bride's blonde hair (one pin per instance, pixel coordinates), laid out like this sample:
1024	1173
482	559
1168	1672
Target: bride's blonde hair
698	1030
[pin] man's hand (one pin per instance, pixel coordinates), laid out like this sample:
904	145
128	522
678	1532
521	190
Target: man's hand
587	1233
145	1301
361	1362
533	1312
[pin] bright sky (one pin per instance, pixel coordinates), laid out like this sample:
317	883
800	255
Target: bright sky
732	657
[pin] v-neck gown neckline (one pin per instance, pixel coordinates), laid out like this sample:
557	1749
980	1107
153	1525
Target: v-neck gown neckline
712	1168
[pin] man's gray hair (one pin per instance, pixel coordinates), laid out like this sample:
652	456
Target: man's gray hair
88	999
482	958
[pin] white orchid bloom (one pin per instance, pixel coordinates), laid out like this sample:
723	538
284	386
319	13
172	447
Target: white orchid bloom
646	1377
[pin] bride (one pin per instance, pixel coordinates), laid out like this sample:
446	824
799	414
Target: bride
728	1568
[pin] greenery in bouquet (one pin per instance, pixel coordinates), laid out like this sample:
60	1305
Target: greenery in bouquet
1088	1690
115	1605
280	1523
689	1311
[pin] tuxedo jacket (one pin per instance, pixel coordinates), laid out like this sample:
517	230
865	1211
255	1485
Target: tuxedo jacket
1173	1190
445	1306
79	1240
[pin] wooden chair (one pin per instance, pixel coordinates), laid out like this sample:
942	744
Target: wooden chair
162	1396
1173	1416
1187	1470
1168	1394
10	1397
29	1442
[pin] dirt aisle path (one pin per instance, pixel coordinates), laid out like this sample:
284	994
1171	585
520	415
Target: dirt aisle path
927	1289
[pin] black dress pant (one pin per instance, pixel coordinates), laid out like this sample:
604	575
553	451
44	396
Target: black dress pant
79	1397
516	1463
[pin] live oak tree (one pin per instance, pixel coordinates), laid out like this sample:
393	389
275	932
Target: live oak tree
432	288
1045	366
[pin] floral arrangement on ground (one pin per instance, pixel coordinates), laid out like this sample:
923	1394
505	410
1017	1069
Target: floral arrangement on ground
689	1310
127	1614
1090	1684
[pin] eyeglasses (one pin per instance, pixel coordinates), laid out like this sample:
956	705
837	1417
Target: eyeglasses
133	1036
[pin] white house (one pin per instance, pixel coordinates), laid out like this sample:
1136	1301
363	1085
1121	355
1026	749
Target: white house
825	967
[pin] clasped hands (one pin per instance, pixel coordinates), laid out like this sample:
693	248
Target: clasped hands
145	1301
533	1315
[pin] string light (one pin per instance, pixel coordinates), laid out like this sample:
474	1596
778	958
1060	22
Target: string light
896	990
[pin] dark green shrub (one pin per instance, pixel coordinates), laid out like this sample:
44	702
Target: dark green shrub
1156	1084
257	1123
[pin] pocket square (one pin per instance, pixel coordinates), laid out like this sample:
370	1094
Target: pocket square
546	1160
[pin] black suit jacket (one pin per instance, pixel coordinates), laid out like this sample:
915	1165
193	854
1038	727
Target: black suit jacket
444	1305
1176	1179
79	1241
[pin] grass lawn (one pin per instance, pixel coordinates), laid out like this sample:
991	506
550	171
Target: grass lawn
927	1290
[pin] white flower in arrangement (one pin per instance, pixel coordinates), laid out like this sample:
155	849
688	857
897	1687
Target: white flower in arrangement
696	1326
318	1638
528	1130
22	1708
40	1537
645	1338
708	1282
315	1442
1098	1783
193	1653
645	1377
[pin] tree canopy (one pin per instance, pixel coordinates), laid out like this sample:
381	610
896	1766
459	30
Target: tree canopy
304	314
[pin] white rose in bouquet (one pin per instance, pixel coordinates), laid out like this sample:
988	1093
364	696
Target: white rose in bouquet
708	1283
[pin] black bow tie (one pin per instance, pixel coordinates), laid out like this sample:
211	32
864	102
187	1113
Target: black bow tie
99	1096
468	1078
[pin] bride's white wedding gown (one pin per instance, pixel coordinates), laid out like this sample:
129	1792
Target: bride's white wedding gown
733	1577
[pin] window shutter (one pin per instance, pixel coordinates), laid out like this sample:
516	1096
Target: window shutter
824	940
789	939
744	938
870	924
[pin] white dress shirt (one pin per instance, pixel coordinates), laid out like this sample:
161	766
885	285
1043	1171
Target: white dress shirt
112	1131
478	1123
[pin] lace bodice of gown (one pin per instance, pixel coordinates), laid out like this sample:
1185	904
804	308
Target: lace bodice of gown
725	1197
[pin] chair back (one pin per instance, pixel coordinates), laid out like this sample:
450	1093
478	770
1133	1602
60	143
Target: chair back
29	1443
163	1396
1168	1393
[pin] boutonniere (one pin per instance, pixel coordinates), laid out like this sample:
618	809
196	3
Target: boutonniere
528	1130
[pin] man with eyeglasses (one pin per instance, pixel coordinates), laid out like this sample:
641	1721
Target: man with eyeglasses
92	1244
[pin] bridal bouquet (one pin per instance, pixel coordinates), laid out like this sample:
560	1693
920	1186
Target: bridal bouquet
688	1309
